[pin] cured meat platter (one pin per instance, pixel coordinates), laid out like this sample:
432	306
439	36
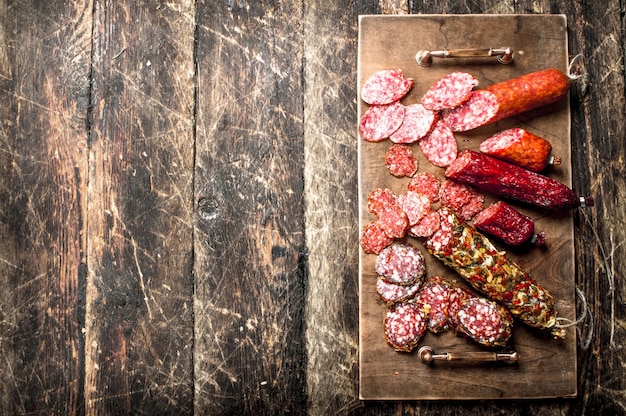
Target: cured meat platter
544	367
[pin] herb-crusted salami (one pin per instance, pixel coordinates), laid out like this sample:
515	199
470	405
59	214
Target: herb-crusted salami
385	87
449	91
485	322
400	264
400	160
439	146
404	326
418	121
380	121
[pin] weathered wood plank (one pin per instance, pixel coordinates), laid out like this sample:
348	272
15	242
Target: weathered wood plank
250	251
139	311
44	68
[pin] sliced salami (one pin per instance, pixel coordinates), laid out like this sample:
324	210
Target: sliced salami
378	197
385	87
404	326
374	238
392	293
401	264
415	206
485	322
433	299
393	220
450	91
461	198
426	226
417	123
440	147
400	160
442	236
457	296
380	121
425	183
481	107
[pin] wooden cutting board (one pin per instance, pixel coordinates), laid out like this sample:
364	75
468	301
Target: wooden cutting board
546	367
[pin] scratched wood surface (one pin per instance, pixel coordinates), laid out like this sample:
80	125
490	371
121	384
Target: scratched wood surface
178	207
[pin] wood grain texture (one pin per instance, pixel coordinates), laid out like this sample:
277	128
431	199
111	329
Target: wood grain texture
249	247
139	312
43	171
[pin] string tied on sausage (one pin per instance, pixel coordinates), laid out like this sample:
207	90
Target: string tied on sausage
586	312
576	71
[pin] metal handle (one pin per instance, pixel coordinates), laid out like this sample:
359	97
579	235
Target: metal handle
427	355
504	55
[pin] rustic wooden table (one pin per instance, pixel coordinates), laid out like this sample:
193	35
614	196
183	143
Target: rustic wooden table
178	207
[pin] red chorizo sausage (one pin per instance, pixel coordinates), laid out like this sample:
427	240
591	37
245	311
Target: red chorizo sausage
520	147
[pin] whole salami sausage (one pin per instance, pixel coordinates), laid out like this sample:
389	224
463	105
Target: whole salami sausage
511	181
508	98
520	147
471	254
508	224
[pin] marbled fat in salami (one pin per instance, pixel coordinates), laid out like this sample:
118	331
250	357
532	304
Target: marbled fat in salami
393	220
400	160
400	264
374	238
461	198
433	298
404	326
457	296
450	91
480	109
392	293
439	147
385	87
380	121
415	206
485	322
417	123
426	226
378	197
425	183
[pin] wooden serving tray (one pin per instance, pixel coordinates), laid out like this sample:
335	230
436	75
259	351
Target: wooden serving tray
546	367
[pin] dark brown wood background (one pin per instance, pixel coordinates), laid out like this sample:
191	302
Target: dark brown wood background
178	207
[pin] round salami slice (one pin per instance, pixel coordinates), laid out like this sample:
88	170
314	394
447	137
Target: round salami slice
404	326
461	198
380	121
433	298
457	296
441	238
425	183
400	160
450	91
401	264
392	293
426	226
385	86
393	220
480	109
439	146
374	238
414	205
378	197
417	123
485	322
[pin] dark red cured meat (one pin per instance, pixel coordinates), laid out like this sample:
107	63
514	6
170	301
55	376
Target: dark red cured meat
507	224
385	87
450	91
393	220
509	98
374	238
404	326
400	264
427	226
458	294
417	123
378	197
400	160
461	198
433	298
510	181
427	184
485	322
415	206
392	293
520	147
439	146
380	121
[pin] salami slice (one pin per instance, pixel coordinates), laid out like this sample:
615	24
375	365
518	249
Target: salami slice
401	264
415	206
485	322
457	296
392	293
425	183
461	198
440	147
393	220
417	123
380	121
404	326
378	197
426	226
433	298
385	87
481	107
374	238
450	91
400	160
